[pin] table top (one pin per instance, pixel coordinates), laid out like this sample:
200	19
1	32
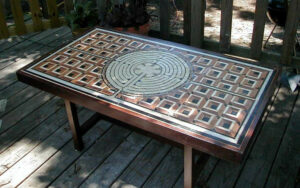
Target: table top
190	96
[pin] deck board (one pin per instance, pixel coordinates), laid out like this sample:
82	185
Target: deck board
39	155
23	146
114	165
19	98
36	149
27	124
167	172
143	165
64	158
10	119
12	90
12	41
88	161
285	168
255	171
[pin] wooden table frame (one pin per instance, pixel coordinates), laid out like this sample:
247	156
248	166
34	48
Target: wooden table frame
78	131
189	141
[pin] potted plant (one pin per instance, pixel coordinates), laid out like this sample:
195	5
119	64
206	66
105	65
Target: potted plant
128	15
83	17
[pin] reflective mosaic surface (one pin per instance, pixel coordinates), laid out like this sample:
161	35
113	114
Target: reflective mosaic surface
147	72
199	92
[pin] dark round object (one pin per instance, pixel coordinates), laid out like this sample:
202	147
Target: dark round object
277	11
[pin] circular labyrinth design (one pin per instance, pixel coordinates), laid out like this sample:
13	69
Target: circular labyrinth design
147	72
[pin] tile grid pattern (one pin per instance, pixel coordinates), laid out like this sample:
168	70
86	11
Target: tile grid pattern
211	93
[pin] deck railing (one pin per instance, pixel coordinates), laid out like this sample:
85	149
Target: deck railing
194	20
37	23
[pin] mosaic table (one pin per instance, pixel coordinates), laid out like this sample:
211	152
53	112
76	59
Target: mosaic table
200	99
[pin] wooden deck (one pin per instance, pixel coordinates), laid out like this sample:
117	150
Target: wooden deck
36	148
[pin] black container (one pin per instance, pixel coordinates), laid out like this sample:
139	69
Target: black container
277	11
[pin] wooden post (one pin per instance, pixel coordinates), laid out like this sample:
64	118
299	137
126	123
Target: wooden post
68	6
197	22
17	12
291	25
164	19
258	28
226	24
53	13
101	6
3	27
188	166
36	15
187	21
44	9
74	124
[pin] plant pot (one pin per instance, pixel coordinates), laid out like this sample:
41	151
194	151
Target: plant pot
142	29
79	31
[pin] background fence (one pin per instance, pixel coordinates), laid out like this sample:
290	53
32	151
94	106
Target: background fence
194	21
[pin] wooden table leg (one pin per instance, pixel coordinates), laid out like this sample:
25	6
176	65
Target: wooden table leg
188	166
74	124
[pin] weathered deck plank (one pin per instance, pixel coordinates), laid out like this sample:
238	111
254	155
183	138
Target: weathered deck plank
27	124
88	162
114	165
18	43
286	166
10	119
12	41
19	98
64	158
179	183
143	165
39	155
12	90
23	146
166	174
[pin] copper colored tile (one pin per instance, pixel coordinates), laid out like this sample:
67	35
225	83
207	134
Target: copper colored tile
221	96
150	102
241	102
186	113
195	101
205	119
214	107
203	91
178	96
167	107
227	127
235	113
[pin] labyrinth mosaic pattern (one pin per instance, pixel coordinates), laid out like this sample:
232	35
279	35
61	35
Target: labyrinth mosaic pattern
198	92
147	72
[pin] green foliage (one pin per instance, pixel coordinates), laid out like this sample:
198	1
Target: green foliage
126	13
84	15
